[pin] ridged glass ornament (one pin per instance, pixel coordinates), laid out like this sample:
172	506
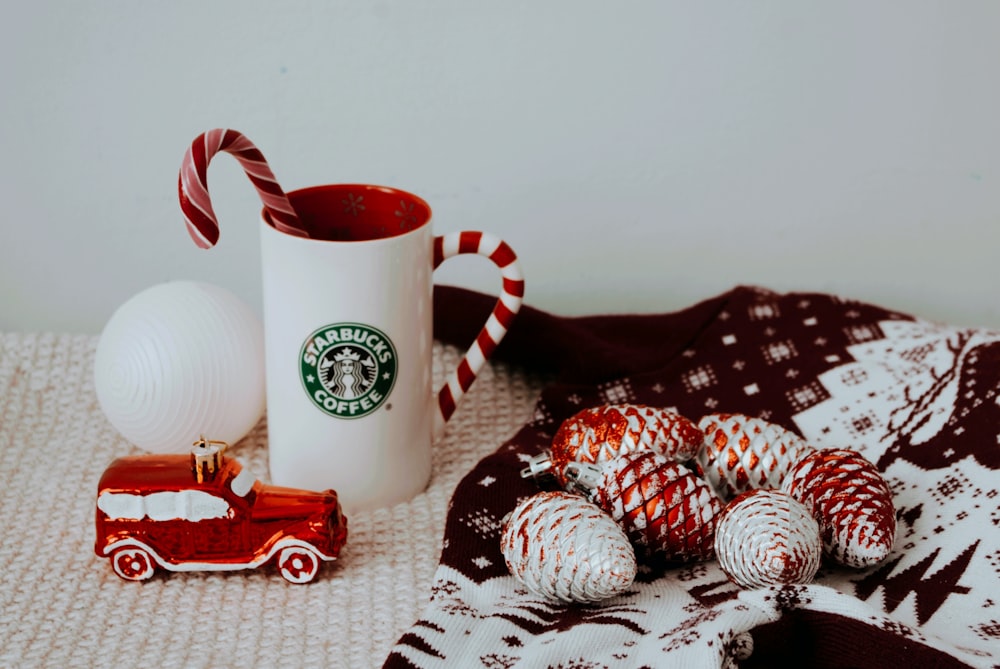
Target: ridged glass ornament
180	360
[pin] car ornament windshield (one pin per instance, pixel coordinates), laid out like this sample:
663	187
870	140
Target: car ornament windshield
242	483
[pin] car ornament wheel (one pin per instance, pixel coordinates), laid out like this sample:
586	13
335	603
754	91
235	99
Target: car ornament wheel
297	564
132	564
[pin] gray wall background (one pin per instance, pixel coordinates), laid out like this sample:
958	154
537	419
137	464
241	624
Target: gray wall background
639	156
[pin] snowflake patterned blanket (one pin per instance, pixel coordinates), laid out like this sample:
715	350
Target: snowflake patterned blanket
920	400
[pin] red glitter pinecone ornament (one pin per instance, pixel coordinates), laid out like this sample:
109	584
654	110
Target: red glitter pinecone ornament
851	501
765	537
565	548
662	506
743	453
602	433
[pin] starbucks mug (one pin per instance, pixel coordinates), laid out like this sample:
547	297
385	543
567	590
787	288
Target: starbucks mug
348	341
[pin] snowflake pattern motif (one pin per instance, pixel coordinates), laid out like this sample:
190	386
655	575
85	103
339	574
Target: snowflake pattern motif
353	204
483	522
618	392
407	215
779	351
699	378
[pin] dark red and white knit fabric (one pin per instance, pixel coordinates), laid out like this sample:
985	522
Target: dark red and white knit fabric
920	400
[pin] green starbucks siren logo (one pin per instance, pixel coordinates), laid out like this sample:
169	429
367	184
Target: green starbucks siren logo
348	369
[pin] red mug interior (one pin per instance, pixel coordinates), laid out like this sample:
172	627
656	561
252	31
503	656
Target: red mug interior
357	212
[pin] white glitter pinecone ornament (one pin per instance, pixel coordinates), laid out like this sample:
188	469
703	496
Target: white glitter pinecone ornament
563	547
765	537
663	507
742	453
851	501
599	434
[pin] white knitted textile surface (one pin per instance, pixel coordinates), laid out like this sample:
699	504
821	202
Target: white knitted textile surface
62	606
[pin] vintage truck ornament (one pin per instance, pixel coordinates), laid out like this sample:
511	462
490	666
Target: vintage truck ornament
204	511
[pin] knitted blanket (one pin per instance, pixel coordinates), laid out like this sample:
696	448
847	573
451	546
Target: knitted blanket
919	400
424	584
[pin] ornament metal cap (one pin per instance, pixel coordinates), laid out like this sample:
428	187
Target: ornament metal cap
582	477
539	467
205	456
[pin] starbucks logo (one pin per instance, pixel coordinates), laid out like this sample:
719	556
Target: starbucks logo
348	369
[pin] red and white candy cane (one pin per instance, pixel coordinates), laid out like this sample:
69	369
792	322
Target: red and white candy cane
192	185
507	306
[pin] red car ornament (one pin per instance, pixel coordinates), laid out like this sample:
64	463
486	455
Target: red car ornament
204	511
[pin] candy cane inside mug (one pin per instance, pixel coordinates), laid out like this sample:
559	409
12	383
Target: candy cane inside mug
192	185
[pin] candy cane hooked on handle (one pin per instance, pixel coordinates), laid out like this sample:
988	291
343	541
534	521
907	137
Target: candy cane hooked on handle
507	306
192	186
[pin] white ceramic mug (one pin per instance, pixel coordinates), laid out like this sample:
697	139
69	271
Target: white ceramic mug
348	341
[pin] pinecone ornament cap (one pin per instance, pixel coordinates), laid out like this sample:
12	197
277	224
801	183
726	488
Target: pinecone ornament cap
599	434
662	506
741	453
765	537
563	547
850	500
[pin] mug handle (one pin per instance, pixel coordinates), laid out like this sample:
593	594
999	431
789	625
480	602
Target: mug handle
507	306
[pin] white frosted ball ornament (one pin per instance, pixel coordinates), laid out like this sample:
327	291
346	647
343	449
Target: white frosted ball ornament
180	360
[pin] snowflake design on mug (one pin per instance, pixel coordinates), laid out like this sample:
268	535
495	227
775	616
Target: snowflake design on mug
407	217
353	204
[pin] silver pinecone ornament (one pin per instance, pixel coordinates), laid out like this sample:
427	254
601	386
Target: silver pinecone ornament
851	501
765	537
742	453
563	547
